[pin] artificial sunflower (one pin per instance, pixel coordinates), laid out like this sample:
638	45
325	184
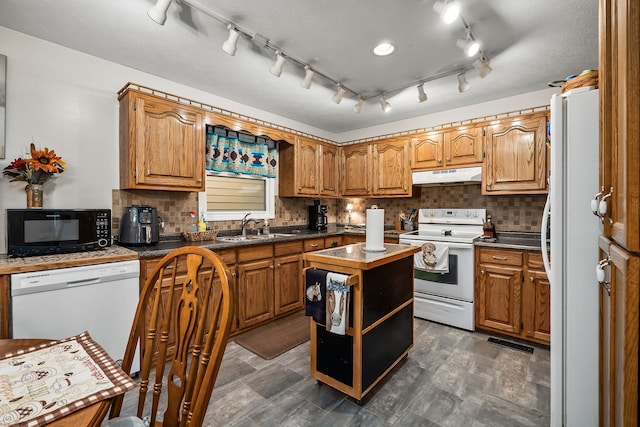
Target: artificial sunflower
36	170
44	160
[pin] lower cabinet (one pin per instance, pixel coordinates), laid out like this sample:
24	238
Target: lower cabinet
512	294
255	285
288	284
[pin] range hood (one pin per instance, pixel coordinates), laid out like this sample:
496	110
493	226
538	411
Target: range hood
471	175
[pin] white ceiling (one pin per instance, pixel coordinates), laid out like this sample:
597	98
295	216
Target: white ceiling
529	44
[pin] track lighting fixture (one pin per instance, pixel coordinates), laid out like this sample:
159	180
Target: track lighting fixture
308	76
337	98
463	84
384	104
276	70
470	45
482	65
231	45
158	12
448	10
358	107
421	95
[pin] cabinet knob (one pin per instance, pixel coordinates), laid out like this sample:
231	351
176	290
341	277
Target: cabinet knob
271	266
481	271
439	160
278	265
234	274
448	159
531	278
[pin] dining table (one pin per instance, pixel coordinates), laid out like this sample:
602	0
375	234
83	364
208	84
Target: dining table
90	416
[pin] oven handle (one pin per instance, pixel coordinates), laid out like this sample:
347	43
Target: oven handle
450	245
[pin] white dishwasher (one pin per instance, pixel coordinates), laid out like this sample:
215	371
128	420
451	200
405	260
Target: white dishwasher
56	304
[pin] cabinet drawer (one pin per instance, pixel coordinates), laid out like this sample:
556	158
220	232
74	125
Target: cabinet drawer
534	261
288	248
227	255
333	241
255	252
497	256
313	244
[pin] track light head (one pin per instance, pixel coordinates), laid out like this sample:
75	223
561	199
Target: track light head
470	45
463	84
421	95
337	98
448	10
384	104
358	107
231	44
482	65
158	12
276	70
308	76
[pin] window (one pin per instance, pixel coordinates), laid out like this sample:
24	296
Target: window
232	196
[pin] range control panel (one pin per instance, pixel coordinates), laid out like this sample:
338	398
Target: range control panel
452	216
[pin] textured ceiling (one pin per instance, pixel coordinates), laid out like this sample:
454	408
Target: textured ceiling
529	44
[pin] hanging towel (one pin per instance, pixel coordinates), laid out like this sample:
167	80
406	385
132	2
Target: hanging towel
433	258
337	303
315	294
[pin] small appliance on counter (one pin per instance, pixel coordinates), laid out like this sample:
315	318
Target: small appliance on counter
139	226
318	216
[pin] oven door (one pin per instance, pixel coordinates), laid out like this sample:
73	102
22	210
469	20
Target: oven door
458	283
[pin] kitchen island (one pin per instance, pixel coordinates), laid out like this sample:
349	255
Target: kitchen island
380	329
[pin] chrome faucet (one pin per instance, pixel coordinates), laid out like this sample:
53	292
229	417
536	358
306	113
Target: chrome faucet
246	220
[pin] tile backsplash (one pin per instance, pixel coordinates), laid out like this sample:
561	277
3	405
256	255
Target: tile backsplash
509	213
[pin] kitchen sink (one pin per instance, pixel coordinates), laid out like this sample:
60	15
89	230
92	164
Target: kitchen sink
253	237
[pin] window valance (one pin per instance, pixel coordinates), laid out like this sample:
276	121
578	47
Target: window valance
240	152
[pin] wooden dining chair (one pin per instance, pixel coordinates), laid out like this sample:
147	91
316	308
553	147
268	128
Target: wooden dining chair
182	324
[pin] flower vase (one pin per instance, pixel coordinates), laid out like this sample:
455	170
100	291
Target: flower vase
34	195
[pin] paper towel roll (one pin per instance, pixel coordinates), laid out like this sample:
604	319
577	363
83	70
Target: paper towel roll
375	230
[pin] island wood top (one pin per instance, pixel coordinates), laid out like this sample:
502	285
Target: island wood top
356	256
12	265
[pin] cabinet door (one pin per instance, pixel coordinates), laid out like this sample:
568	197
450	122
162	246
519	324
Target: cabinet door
498	295
463	146
307	155
536	307
329	176
353	238
426	151
165	146
391	171
516	159
255	286
619	331
288	284
356	170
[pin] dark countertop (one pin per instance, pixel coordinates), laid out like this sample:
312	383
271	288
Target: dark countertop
513	240
296	233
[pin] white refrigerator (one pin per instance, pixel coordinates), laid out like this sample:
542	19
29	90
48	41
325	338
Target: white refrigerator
574	232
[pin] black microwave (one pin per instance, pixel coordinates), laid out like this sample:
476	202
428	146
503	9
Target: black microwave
54	231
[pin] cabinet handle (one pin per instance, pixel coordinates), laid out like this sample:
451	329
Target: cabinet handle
531	278
501	258
601	276
313	245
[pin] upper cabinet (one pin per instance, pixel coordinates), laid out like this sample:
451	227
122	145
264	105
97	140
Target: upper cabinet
452	147
516	159
356	170
162	143
308	168
391	170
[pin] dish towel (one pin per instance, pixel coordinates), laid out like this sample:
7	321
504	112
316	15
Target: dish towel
433	257
315	291
337	303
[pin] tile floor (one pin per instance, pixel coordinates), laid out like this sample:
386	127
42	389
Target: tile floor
450	378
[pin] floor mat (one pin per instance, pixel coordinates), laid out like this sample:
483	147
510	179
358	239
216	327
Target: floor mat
276	337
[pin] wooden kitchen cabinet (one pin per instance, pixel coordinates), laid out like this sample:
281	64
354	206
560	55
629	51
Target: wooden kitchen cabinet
391	168
516	159
162	143
450	147
255	285
512	294
308	168
288	282
356	170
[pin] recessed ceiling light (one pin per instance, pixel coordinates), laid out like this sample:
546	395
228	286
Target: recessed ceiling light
384	49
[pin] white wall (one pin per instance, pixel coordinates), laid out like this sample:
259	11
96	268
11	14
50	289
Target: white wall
66	100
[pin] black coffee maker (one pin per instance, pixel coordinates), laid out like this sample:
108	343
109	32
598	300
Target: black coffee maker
317	216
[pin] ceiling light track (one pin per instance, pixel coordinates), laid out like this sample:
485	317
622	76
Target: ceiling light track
158	12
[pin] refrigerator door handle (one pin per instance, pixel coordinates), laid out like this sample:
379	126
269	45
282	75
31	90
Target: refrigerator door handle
544	237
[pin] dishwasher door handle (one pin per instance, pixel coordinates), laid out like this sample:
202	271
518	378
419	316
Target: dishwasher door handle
83	282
